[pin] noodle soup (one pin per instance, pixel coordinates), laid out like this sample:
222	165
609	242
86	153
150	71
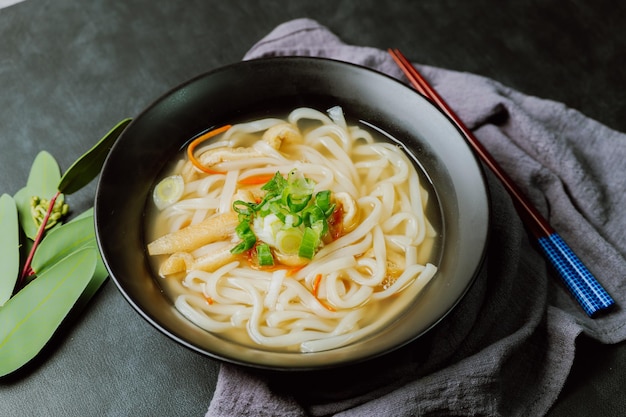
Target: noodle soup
295	234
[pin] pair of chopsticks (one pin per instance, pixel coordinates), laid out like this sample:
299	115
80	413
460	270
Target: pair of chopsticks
589	293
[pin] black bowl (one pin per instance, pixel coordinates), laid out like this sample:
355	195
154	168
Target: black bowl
256	88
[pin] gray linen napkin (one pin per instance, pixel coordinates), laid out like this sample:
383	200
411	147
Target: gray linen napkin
509	345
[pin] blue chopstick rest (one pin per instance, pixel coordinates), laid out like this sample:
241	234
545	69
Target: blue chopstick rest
582	284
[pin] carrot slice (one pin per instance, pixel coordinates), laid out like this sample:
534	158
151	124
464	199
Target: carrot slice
294	270
316	284
192	147
256	179
316	287
329	308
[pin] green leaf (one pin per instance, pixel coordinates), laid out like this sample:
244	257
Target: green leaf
99	277
87	167
63	240
22	201
9	247
44	175
86	213
77	234
42	182
30	318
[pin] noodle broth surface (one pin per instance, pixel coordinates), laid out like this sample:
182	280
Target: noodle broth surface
380	251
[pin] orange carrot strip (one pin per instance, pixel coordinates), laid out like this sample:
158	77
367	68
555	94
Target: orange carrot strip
209	300
316	287
294	270
192	147
256	179
329	308
316	284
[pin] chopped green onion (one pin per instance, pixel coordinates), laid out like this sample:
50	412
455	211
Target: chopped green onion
299	218
312	215
293	220
168	191
321	227
244	208
276	184
240	248
248	239
264	254
297	203
322	200
279	210
310	242
288	241
263	208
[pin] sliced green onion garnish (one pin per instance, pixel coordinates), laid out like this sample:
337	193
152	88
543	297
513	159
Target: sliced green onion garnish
276	184
244	208
264	254
297	203
320	227
168	191
288	241
322	200
313	214
293	220
248	239
263	208
279	210
299	218
310	242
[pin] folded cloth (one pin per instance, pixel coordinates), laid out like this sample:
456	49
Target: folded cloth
509	345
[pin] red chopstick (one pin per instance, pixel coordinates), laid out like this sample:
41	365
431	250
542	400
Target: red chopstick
583	285
541	227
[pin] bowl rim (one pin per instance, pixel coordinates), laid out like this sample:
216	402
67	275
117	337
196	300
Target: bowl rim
120	284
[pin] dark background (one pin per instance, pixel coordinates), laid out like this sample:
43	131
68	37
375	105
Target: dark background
70	69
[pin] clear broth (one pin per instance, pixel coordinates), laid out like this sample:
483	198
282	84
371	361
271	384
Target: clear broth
431	250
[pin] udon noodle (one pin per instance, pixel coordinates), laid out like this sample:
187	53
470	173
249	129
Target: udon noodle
228	235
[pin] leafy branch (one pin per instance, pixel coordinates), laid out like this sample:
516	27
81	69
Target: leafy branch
63	264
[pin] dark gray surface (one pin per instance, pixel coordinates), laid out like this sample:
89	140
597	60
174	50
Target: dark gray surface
69	70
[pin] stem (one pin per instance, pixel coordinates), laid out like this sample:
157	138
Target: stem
27	271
